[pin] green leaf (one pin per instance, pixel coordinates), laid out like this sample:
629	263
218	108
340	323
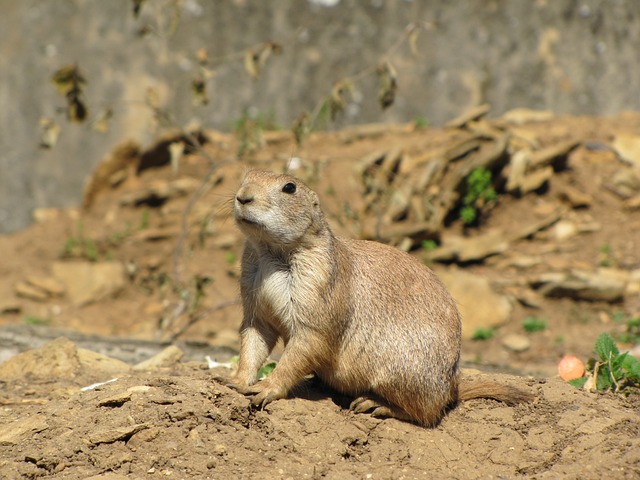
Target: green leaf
632	366
482	334
534	324
266	370
578	382
604	383
429	245
468	215
606	347
616	364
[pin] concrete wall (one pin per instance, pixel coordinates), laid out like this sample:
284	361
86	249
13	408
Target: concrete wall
576	57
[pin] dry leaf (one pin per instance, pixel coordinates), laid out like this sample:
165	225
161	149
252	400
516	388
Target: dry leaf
101	122
76	109
388	84
202	56
49	132
199	91
256	58
68	78
152	98
337	101
413	42
69	82
301	128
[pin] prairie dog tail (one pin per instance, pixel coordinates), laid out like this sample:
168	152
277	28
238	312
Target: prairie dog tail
470	389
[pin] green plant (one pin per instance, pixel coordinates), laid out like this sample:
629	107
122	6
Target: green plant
632	333
79	246
266	370
263	372
33	320
230	258
479	192
611	370
420	122
116	238
606	255
144	219
429	245
534	324
482	334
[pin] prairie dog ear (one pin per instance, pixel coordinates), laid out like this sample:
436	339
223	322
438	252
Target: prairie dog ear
316	209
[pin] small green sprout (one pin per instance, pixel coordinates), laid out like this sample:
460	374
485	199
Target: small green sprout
482	334
534	324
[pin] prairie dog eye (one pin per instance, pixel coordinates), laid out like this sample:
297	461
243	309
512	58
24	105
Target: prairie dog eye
289	188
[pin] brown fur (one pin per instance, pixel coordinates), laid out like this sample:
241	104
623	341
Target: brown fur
366	318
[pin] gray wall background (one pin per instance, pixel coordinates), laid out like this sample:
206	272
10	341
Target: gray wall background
574	57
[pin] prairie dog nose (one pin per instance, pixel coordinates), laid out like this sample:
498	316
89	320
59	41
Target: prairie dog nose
244	198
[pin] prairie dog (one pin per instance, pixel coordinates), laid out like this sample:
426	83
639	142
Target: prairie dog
367	319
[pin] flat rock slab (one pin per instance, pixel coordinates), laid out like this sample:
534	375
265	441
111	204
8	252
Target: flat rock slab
479	304
87	282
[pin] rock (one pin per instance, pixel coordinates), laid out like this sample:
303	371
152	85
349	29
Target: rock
473	113
59	358
151	262
604	284
575	197
632	203
471	249
166	358
25	290
156	234
536	179
518	116
9	307
111	434
11	433
523	262
108	476
625	183
51	286
479	305
373	130
39	288
41	215
89	282
633	287
563	230
516	342
525	296
552	155
96	362
627	146
517	169
160	191
530	170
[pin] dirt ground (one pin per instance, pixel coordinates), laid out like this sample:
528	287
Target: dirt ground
179	282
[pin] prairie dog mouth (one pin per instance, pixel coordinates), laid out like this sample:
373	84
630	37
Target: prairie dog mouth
246	221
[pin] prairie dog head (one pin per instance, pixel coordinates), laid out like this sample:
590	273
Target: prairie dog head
277	210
